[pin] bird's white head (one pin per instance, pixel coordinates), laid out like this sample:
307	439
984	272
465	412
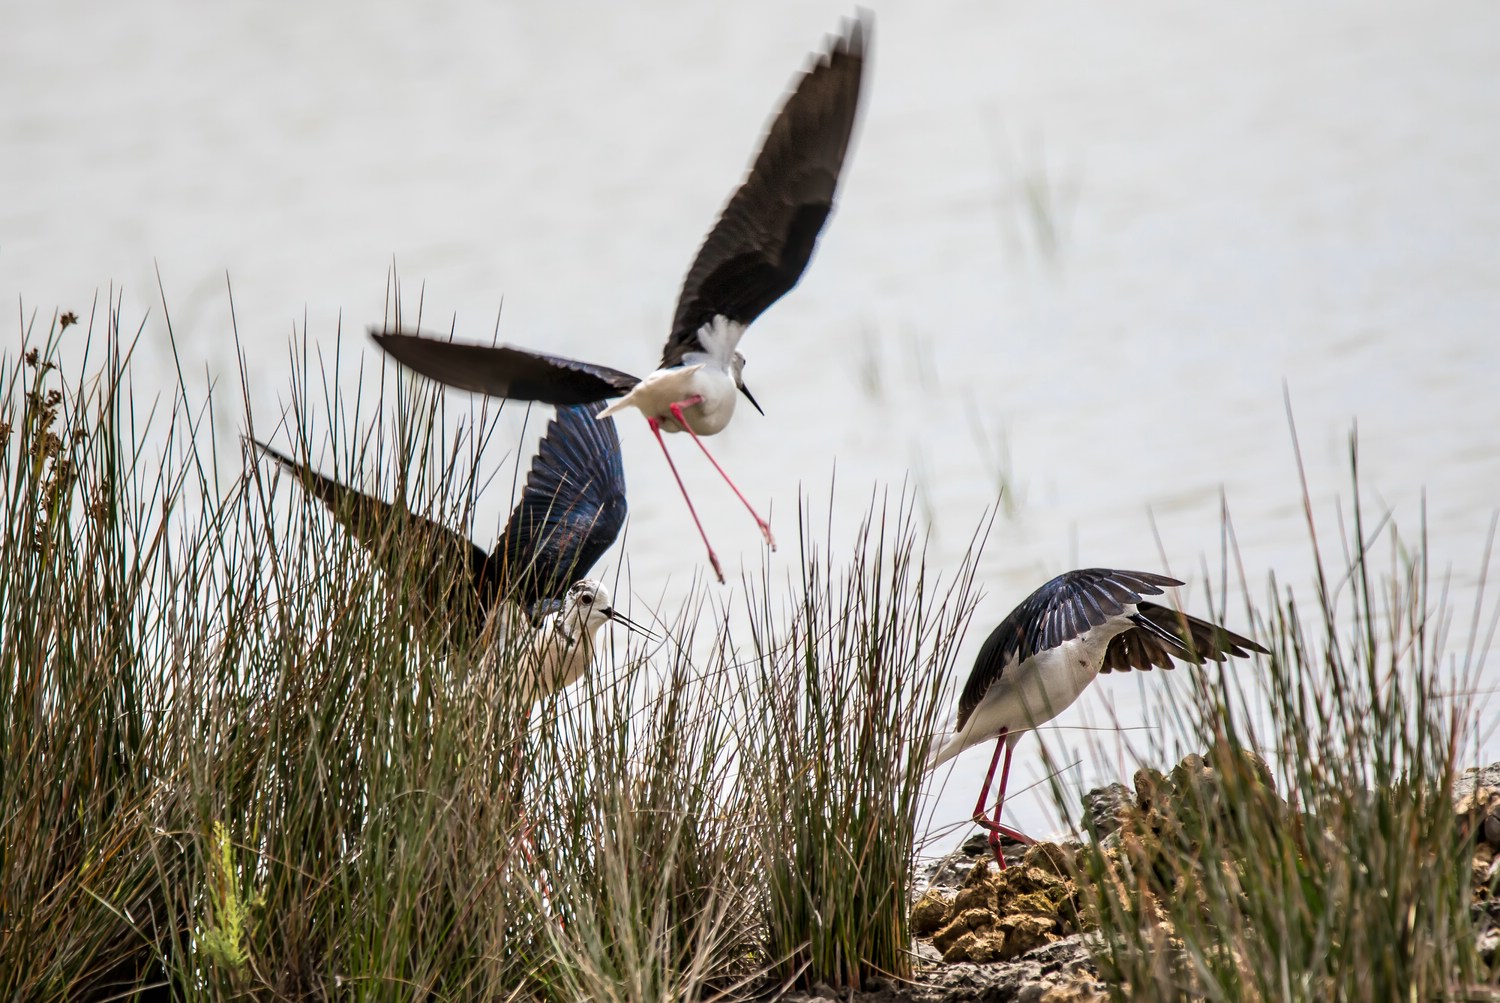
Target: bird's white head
588	606
737	369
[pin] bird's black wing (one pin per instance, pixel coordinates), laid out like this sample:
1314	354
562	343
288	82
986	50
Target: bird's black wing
451	576
1065	608
504	370
766	234
571	509
1165	634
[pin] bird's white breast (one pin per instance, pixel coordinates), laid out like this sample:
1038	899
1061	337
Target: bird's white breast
655	395
555	661
1056	677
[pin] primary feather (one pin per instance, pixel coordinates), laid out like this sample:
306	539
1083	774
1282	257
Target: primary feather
763	240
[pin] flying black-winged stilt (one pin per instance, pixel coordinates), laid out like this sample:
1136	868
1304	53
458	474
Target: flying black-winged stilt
754	254
571	510
1043	655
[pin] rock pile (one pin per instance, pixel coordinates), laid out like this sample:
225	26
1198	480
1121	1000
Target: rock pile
1019	934
998	915
1477	802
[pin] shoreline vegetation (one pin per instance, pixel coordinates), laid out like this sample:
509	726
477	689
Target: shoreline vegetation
231	767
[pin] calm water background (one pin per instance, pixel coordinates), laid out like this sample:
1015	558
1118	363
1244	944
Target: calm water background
1082	250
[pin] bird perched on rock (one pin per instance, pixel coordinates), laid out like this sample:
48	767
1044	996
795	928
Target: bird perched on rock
1048	650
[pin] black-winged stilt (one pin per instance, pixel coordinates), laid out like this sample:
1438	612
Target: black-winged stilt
563	647
571	510
754	254
1043	655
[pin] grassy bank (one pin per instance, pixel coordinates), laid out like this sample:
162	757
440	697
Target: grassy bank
1314	853
234	764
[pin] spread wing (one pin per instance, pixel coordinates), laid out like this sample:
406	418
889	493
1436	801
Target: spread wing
452	578
762	242
571	509
1165	634
1063	609
504	370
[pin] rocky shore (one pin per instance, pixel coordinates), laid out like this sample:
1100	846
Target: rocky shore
1020	935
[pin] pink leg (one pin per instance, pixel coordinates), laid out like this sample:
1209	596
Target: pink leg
997	830
713	558
981	809
676	409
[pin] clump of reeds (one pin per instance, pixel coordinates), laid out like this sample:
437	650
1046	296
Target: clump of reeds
230	761
644	835
79	697
1341	872
242	756
846	690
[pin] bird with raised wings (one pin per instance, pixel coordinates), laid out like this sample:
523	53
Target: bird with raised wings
571	510
1047	651
752	257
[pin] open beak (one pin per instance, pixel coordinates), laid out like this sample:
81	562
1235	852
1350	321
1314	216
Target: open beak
749	397
630	624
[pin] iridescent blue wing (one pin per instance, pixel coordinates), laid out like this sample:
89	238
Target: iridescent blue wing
571	509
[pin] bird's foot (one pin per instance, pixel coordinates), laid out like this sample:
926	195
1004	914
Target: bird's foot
996	830
997	833
765	531
713	559
1014	835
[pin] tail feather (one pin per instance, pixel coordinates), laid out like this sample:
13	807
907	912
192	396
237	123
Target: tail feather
615	407
943	748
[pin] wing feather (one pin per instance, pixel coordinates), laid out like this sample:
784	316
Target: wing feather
1194	640
763	240
505	370
571	509
453	577
1064	608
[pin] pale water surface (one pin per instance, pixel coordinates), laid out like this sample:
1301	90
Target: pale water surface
1082	250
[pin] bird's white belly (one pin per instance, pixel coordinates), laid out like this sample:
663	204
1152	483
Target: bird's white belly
1033	693
1057	678
655	395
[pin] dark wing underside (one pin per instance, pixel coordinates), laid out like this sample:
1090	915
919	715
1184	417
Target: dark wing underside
1065	608
571	509
762	242
1192	640
450	577
504	370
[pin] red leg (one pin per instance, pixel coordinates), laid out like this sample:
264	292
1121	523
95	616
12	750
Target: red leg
981	809
997	830
713	558
676	409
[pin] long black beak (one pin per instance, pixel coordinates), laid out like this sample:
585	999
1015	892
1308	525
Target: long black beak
750	397
625	621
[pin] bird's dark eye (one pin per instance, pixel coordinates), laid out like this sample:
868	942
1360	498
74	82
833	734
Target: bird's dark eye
586	599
